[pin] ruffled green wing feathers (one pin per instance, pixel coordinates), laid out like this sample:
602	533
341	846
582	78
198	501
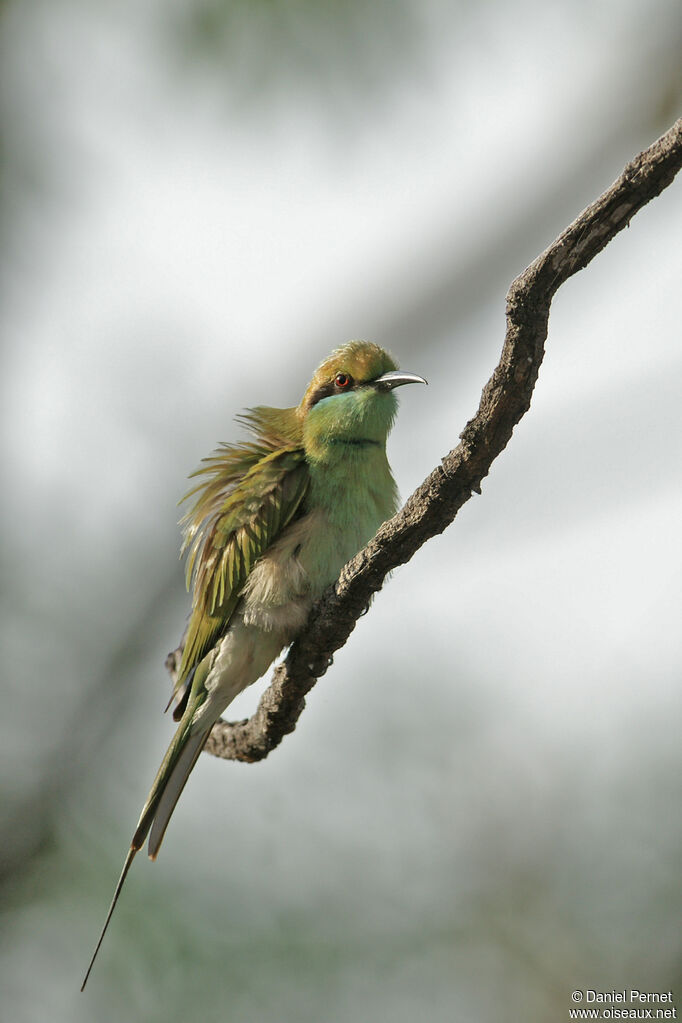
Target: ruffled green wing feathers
251	495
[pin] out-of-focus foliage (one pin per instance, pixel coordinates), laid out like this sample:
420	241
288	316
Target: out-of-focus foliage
355	42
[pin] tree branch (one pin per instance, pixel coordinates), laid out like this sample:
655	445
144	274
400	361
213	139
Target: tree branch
433	506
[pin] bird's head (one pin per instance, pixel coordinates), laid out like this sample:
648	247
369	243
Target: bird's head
350	400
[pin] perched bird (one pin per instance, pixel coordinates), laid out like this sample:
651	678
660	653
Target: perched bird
274	521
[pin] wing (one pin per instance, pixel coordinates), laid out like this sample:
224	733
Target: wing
231	525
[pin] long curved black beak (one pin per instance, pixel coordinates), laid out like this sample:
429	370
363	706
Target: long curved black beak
396	378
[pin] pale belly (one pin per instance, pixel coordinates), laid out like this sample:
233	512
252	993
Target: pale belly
306	559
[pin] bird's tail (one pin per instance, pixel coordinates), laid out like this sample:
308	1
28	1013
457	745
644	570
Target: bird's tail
167	788
175	769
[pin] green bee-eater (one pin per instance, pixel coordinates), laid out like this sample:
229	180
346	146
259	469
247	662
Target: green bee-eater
274	521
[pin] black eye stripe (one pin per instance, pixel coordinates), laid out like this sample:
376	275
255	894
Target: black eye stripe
322	392
331	387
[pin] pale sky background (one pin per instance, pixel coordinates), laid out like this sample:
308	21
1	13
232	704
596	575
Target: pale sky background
479	809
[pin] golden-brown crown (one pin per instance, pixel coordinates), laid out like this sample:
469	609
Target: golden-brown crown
361	361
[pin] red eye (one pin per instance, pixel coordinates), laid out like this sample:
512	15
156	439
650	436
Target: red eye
343	381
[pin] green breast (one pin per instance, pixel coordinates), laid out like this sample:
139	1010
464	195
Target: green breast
350	494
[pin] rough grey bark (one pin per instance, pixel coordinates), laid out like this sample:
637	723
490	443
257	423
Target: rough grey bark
434	505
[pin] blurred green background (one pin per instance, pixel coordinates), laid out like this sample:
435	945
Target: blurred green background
479	810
